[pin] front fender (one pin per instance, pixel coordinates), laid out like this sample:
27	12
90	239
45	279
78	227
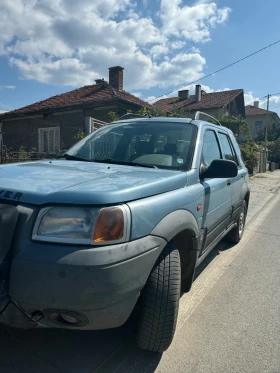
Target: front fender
174	223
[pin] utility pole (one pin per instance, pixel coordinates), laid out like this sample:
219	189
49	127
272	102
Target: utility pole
265	136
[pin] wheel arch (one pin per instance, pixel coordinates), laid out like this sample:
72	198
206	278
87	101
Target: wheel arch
180	229
247	198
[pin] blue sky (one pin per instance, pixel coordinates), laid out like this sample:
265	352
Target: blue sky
49	47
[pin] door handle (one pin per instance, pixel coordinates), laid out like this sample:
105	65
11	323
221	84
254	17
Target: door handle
228	182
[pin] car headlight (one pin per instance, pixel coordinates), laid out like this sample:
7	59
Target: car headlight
82	225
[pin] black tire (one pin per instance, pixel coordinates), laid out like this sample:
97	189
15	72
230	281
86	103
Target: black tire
159	303
236	233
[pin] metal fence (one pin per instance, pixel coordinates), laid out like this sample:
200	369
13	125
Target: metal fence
23	156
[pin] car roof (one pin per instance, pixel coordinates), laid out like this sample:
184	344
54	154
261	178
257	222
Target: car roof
197	123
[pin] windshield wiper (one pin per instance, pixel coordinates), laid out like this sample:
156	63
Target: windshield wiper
73	158
125	163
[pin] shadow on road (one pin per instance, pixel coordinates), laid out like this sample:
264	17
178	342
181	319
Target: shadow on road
66	351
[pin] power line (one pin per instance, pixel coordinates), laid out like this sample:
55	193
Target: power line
219	70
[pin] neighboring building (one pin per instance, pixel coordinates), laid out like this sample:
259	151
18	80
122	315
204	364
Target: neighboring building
217	104
257	118
52	125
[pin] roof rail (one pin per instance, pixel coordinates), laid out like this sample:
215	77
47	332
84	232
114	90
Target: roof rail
134	115
199	113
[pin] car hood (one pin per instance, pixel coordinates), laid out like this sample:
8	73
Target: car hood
63	181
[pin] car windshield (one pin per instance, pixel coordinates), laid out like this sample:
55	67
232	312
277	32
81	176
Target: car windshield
168	145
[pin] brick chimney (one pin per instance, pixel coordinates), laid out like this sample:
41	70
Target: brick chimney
198	93
256	104
183	95
116	77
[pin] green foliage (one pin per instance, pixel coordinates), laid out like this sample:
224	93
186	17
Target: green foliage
113	116
250	154
80	135
273	132
238	126
23	154
274	150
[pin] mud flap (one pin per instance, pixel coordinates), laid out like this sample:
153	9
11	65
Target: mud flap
8	221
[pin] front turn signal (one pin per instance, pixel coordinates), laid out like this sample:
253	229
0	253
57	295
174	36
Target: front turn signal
109	225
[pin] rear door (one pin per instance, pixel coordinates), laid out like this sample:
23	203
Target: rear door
218	206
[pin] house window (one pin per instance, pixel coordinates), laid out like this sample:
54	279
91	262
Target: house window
49	140
258	124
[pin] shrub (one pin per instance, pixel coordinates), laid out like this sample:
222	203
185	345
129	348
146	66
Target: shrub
250	156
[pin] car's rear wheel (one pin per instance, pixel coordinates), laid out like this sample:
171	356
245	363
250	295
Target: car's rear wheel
159	302
236	233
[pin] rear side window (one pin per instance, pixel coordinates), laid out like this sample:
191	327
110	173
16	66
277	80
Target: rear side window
227	148
211	149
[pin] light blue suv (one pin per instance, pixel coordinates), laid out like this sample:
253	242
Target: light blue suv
121	220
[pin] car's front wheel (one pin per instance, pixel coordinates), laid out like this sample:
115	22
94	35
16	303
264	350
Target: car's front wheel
160	302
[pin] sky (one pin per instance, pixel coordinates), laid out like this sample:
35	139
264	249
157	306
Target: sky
48	47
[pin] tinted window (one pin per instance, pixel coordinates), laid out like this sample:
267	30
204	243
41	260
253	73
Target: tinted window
227	148
211	149
163	144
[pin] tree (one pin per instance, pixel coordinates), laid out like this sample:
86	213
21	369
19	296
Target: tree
238	126
274	149
250	154
80	135
273	132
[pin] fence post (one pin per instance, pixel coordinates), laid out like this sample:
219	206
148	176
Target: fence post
88	125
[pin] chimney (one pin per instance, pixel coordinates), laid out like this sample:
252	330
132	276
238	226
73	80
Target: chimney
99	81
198	93
116	77
256	104
183	95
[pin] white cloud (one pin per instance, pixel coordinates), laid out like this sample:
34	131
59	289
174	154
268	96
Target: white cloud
3	111
137	94
191	88
158	50
179	44
70	42
7	87
192	23
249	99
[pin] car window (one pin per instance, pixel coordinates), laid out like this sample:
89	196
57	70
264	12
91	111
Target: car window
162	144
211	148
227	148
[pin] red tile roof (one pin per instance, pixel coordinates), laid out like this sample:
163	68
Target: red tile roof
208	101
91	94
253	110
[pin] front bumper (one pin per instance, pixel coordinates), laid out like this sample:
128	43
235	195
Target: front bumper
52	285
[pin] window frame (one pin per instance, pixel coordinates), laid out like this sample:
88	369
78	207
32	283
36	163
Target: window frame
260	126
218	143
231	146
41	132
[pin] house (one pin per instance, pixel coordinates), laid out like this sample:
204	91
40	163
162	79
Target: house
53	124
217	104
257	118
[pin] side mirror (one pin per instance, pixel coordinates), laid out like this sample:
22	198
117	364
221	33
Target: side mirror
219	169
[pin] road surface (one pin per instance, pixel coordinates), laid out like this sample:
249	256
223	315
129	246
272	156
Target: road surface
229	322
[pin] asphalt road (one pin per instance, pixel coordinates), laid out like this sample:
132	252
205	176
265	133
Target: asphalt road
229	322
